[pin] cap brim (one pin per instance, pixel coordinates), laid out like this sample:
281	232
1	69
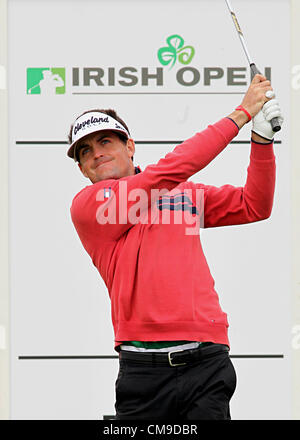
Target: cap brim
72	149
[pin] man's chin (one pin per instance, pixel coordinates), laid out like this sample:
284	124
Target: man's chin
104	176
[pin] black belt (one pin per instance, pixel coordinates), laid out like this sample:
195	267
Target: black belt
174	358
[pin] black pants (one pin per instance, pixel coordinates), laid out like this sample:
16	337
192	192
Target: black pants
199	390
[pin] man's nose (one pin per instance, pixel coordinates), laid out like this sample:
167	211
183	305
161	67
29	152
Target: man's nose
97	151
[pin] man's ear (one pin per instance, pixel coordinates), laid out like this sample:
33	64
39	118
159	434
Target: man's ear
130	147
83	172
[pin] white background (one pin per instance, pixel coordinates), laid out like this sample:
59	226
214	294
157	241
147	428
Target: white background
59	303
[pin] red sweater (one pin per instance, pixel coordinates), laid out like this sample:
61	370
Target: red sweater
159	283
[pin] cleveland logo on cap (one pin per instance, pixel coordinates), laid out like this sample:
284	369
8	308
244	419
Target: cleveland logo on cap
89	121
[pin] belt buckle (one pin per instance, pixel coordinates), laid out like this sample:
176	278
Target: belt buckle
170	360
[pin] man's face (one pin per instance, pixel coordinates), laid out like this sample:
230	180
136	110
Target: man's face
102	155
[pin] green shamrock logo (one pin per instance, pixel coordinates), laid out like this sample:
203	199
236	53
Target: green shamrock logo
175	50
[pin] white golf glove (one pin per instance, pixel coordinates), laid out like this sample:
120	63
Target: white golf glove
261	124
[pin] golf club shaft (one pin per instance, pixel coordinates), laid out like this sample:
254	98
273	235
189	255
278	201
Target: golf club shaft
254	70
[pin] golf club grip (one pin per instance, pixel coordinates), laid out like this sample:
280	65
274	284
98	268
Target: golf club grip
275	121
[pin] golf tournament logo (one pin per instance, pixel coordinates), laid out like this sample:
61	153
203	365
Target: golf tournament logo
175	51
174	67
46	81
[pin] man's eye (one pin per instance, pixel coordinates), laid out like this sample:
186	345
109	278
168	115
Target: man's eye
85	150
104	141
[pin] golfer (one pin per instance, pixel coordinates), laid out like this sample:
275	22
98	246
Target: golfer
170	331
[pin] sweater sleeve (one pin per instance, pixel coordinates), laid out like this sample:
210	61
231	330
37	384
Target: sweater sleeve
102	209
229	205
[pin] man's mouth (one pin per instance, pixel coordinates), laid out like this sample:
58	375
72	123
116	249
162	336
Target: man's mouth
103	162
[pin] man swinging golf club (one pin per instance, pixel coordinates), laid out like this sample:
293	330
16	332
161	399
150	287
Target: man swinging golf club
170	331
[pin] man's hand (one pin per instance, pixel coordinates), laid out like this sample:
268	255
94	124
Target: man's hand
261	124
253	101
255	96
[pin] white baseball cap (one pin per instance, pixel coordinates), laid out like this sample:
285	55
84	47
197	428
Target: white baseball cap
91	122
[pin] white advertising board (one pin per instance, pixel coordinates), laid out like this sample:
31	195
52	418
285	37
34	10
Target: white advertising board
66	57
